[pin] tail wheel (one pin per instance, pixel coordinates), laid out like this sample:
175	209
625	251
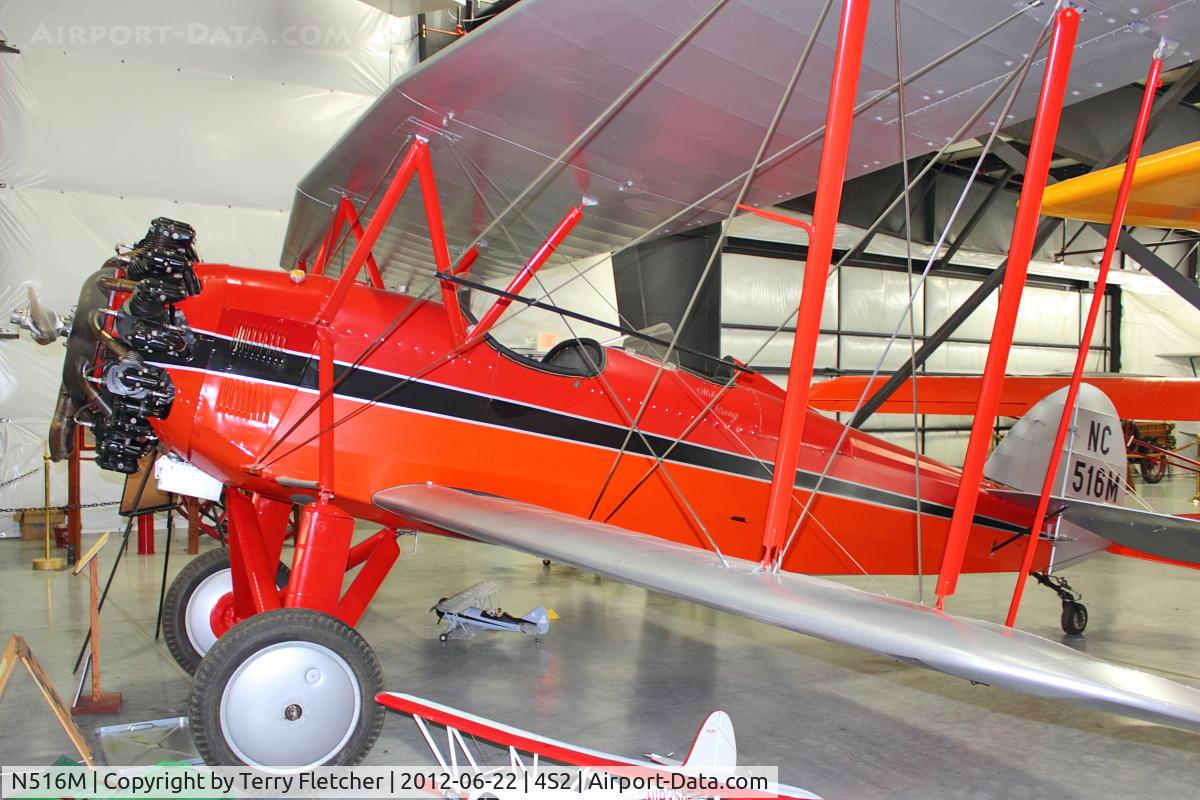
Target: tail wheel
197	609
287	688
1074	617
1153	465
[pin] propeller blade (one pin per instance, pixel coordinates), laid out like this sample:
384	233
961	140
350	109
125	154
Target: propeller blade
43	322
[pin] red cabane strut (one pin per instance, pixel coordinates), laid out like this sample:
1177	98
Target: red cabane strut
323	553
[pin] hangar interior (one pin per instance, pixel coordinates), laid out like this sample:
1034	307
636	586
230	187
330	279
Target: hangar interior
226	115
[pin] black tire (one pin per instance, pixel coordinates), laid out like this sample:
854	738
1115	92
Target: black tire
241	662
175	605
1074	617
443	637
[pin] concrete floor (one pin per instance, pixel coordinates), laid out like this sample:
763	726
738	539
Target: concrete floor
628	671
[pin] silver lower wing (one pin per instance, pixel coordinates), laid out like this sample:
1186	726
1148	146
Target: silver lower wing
978	651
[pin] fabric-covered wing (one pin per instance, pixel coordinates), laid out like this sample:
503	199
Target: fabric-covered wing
502	103
468	598
1134	397
1165	192
973	649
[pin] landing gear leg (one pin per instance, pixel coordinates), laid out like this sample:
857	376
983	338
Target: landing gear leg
293	684
1074	613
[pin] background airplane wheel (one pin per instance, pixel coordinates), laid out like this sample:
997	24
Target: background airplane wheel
443	637
189	603
1154	465
1074	617
287	688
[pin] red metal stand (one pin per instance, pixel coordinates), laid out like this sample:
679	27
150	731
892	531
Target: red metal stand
1064	423
74	497
832	174
145	526
1037	168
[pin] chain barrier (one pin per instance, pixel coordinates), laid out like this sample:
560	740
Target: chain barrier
20	477
63	509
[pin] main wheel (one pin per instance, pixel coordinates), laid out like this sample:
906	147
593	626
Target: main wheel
1074	617
202	587
287	688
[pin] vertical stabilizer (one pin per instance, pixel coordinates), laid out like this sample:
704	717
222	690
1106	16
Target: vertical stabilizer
1092	467
715	744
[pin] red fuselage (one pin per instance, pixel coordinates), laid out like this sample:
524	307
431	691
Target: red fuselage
493	422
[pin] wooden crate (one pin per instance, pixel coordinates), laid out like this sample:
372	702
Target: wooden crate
33	522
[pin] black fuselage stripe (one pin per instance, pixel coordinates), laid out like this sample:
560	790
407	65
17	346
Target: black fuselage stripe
217	354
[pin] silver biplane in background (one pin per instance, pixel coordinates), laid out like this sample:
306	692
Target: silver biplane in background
474	609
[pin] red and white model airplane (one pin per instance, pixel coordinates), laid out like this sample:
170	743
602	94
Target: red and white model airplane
531	756
393	407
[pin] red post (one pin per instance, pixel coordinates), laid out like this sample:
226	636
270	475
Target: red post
1020	249
145	526
74	497
527	272
838	122
1064	422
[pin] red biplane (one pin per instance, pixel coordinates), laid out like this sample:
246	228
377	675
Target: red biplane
601	125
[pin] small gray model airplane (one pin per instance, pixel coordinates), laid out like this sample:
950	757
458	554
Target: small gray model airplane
473	610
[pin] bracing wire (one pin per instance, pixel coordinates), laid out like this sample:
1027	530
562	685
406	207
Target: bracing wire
595	370
1022	71
816	134
768	134
912	329
774	158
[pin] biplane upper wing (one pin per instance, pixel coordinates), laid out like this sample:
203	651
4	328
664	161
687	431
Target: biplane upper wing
468	598
499	106
978	651
1134	397
1165	192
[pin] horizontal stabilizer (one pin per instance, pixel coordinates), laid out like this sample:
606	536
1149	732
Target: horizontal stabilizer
978	651
1163	535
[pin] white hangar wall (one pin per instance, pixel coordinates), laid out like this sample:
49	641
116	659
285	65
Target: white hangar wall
864	305
118	111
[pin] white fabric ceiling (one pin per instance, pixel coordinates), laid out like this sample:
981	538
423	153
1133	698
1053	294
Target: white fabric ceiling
118	111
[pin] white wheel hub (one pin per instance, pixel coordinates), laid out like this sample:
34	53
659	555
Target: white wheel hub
197	617
293	704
